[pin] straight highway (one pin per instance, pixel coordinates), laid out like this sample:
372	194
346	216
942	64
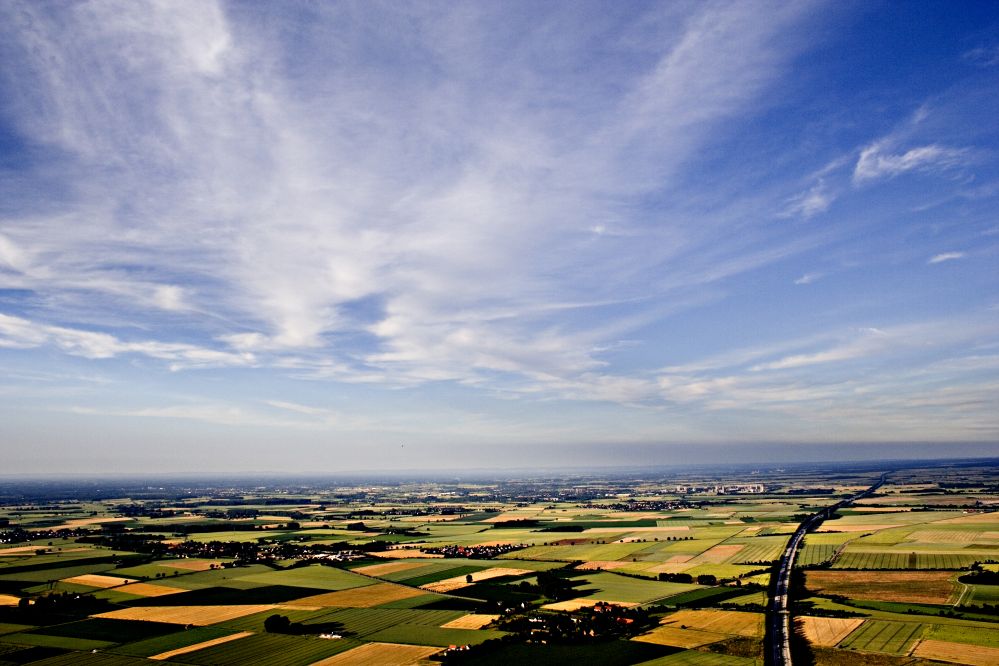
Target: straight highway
779	615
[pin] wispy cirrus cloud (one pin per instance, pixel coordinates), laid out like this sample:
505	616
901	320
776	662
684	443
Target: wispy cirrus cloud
20	333
384	213
875	163
945	256
809	203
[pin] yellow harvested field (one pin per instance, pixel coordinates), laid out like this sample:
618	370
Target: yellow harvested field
929	587
150	590
190	564
200	646
405	553
739	623
828	631
197	615
576	604
9	600
838	526
718	554
380	654
359	597
30	550
677	637
961	653
97	580
602	564
458	582
387	568
473	621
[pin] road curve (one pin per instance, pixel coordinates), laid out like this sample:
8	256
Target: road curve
778	612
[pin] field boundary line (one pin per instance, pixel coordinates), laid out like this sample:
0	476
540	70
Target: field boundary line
162	656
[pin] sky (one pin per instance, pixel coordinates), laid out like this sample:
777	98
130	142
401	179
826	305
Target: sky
330	236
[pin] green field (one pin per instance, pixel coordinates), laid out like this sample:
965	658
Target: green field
606	586
982	594
44	575
91	659
68	642
884	636
904	560
364	621
269	649
962	633
314	576
173	641
815	554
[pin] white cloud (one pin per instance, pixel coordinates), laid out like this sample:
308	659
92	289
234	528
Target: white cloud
20	333
874	163
809	203
984	56
945	256
808	278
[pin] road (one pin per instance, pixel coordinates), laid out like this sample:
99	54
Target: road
779	615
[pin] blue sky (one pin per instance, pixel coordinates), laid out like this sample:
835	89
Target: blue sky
333	236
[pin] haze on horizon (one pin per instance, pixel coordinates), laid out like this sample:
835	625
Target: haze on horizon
333	236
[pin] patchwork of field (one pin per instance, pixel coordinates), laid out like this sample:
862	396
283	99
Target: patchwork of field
402	579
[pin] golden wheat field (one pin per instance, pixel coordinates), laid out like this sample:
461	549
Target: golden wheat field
380	654
828	631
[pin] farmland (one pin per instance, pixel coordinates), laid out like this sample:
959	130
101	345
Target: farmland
398	572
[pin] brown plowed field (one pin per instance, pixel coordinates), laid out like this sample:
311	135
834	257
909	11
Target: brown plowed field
929	587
